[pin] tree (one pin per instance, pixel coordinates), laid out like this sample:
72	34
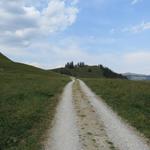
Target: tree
80	64
101	66
69	65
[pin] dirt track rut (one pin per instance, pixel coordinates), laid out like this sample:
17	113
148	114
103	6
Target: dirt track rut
84	122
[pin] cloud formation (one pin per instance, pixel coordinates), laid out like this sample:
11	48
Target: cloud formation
21	21
138	28
33	31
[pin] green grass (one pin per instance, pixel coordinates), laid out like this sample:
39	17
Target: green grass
28	99
4	58
83	72
130	99
89	72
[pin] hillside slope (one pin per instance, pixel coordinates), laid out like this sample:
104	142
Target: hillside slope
86	71
8	66
3	58
28	98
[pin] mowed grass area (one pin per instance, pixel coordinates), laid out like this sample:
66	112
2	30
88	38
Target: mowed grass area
27	105
130	99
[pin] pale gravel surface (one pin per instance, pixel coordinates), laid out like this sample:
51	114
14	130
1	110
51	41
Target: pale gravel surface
91	129
122	135
64	135
84	122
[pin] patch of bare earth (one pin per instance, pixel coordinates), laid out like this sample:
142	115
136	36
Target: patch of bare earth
91	129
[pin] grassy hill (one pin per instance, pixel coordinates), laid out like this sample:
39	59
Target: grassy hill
85	71
8	66
3	58
28	98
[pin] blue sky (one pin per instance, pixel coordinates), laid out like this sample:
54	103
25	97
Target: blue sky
48	33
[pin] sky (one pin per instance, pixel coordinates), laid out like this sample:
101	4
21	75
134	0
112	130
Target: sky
49	33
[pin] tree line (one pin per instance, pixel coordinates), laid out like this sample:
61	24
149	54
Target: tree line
106	72
71	65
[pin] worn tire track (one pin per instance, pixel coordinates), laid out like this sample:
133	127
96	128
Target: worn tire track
64	134
91	129
84	122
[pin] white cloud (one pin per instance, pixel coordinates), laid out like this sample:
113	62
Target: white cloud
57	17
137	28
22	21
51	55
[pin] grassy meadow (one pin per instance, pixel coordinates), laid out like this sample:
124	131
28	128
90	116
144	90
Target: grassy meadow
28	98
130	99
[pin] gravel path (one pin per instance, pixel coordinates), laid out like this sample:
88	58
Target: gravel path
120	133
84	122
91	128
64	134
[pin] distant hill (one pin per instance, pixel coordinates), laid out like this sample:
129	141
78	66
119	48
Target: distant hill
134	76
85	71
9	66
78	70
4	58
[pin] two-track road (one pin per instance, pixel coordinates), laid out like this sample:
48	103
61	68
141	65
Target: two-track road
84	122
